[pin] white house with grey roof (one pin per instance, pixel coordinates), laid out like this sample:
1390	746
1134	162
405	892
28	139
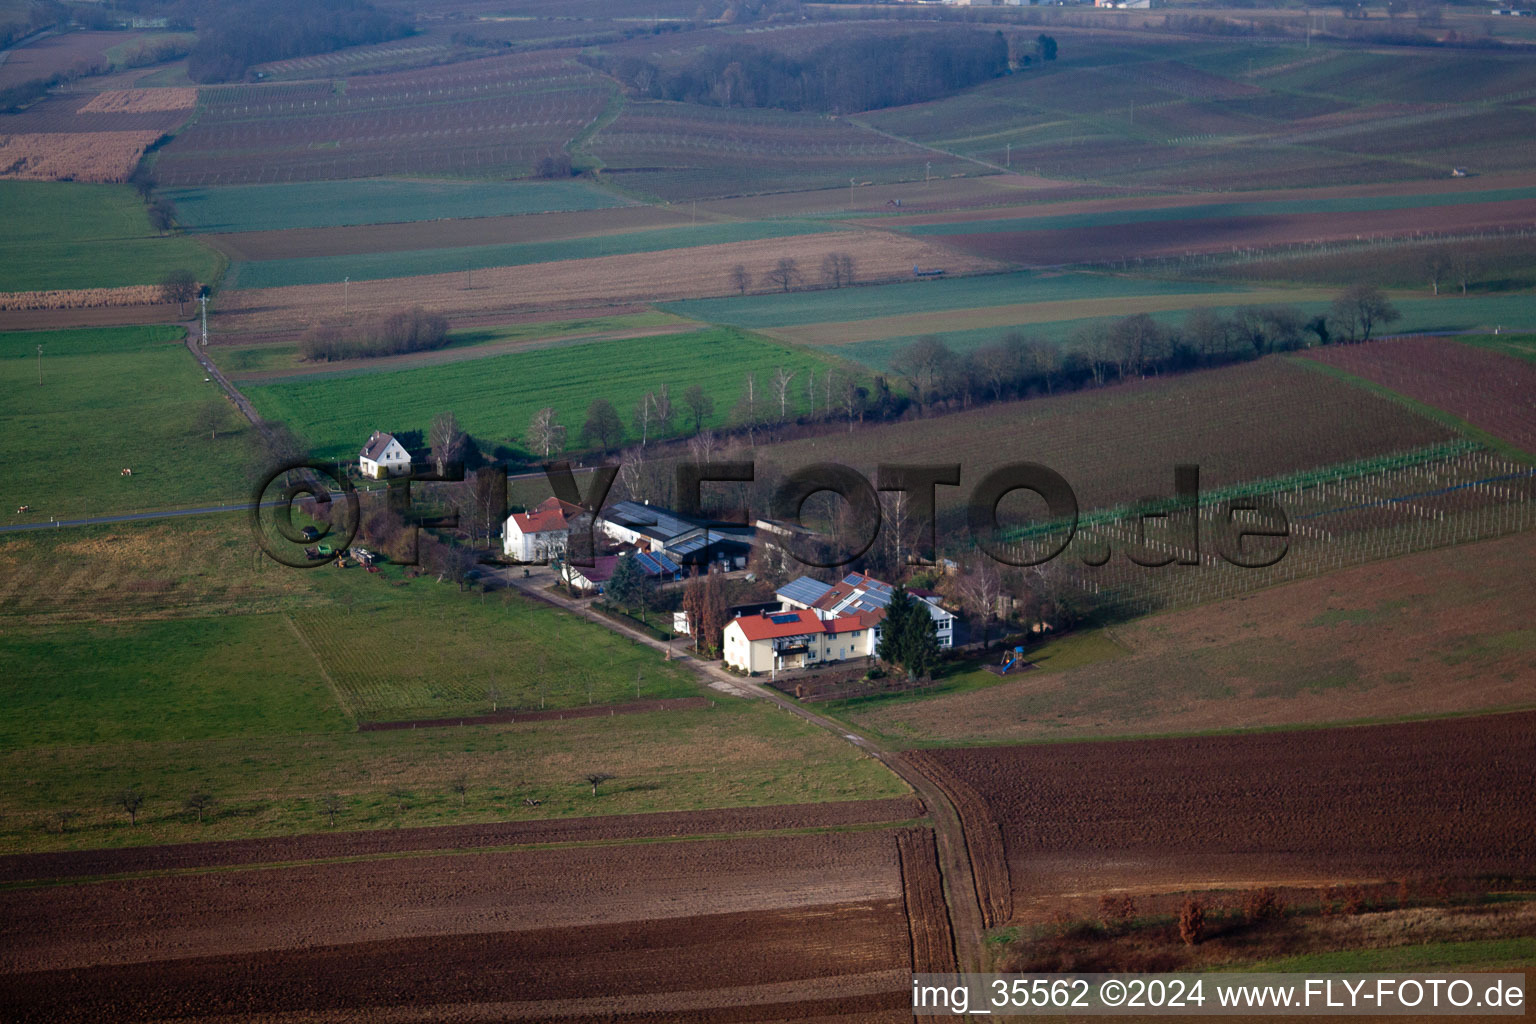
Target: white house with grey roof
383	456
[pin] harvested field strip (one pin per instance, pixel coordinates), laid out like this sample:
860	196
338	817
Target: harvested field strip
329	204
75	864
73	156
283	273
619	280
630	708
82	298
1490	390
983	838
140	101
933	943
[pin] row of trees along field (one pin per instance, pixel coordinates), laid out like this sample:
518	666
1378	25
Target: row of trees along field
928	376
846	75
232	37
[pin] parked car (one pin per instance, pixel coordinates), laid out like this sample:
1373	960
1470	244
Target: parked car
310	533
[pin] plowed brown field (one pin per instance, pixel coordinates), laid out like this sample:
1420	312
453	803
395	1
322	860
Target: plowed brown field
1437	798
933	943
617	827
783	927
1116	242
1489	390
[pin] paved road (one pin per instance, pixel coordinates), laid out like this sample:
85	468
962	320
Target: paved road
954	862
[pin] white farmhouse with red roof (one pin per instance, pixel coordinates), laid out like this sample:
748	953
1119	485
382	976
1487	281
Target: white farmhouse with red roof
770	641
541	533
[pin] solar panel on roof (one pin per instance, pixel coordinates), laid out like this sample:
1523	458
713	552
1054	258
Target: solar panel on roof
804	590
784	619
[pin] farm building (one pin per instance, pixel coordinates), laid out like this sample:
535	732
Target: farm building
686	540
860	593
383	456
541	533
774	641
593	578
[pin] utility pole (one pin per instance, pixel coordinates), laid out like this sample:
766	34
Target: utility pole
1008	154
346	289
39	366
850	193
204	297
927	172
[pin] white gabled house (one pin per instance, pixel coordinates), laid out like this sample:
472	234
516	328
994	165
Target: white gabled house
383	456
540	534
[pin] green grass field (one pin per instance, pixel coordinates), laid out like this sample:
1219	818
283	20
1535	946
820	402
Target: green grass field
957	293
1517	345
378	266
203	679
494	398
326	204
451	651
239	359
69	235
111	399
1475	954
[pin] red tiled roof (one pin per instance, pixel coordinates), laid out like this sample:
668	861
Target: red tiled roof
540	521
763	627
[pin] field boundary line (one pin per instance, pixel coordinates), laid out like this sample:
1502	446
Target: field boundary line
341	701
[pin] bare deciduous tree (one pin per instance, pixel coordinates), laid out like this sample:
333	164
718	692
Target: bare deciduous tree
460	785
596	779
332	804
702	446
180	287
545	436
741	280
700	406
208	417
130	800
447	440
837	269
200	802
785	273
981	587
782	378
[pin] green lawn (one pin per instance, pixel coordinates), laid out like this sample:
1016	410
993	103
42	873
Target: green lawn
494	398
451	650
181	679
325	204
735	753
1084	647
111	398
69	235
380	265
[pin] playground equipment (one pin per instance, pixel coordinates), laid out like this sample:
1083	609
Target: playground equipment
1010	659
